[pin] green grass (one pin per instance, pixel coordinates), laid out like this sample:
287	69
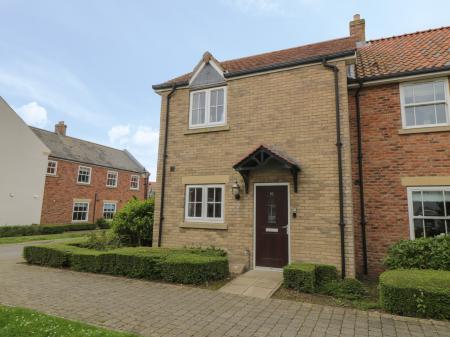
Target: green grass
18	322
66	235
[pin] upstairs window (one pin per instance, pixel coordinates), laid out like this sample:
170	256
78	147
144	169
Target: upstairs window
134	182
111	179
109	209
84	175
52	167
204	203
425	104
208	108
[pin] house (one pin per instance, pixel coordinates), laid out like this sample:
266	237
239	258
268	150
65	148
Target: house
325	153
21	177
87	181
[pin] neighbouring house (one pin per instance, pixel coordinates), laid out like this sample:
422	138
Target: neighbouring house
151	189
86	181
21	172
328	152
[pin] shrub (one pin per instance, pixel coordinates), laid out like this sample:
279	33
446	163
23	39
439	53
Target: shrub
100	241
46	256
133	224
9	231
102	223
423	253
424	293
349	289
325	274
300	276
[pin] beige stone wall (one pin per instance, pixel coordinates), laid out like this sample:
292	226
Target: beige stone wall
292	110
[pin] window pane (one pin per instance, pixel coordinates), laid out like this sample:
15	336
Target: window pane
219	113
210	211
191	208
218	212
418	228
424	92
425	114
447	202
218	194
213	114
417	203
210	194
409	116
192	194
198	209
201	116
440	113
439	91
220	97
202	100
198	194
408	92
433	203
213	97
434	227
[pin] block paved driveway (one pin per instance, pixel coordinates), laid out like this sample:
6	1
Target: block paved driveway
156	309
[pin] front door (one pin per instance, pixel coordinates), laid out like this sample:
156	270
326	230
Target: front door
272	217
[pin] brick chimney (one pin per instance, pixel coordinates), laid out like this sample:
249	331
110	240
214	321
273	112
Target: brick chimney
61	128
358	28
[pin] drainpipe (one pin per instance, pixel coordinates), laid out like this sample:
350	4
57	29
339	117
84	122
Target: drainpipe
335	70
164	159
362	209
95	206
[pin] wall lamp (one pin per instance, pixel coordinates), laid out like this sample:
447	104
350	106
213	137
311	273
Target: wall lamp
236	190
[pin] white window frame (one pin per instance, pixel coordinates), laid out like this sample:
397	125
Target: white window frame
109	203
410	190
56	167
131	182
78	175
207	123
404	105
204	218
87	210
107	178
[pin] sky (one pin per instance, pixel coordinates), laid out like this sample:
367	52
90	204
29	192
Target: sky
91	63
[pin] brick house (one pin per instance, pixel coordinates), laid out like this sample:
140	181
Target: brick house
87	181
260	155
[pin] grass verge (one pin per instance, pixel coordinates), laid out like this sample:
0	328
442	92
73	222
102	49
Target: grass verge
19	322
66	235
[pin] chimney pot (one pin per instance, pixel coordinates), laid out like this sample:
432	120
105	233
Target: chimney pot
61	128
358	28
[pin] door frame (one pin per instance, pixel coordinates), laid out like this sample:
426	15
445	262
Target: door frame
254	222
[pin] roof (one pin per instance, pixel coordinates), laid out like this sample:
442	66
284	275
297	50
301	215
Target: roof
83	151
260	155
277	59
417	52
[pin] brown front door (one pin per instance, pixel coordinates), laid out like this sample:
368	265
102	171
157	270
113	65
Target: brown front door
271	221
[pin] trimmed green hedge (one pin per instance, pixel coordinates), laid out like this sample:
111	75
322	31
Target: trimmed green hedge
189	266
9	231
308	277
413	292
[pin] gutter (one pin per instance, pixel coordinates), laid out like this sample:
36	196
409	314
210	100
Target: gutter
335	71
164	156
362	210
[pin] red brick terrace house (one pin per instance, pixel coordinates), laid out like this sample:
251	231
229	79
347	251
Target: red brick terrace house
87	181
328	152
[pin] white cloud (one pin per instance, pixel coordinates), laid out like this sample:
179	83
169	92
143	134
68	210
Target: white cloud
33	114
145	136
248	6
119	134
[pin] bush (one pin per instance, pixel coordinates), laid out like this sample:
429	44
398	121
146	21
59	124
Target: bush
423	293
300	276
349	289
325	274
102	223
133	224
172	265
10	231
100	241
423	253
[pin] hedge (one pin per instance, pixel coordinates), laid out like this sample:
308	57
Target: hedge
189	266
423	253
413	292
9	231
308	277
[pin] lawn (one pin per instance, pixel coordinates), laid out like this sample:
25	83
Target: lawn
66	235
18	322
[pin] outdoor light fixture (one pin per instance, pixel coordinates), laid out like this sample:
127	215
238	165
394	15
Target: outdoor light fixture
236	190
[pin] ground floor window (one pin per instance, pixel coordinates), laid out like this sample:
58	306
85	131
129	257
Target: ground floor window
109	209
204	203
80	211
429	211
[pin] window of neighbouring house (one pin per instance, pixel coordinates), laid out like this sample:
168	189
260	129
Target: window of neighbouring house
84	175
208	107
52	167
80	211
425	104
429	211
204	203
109	209
111	179
134	182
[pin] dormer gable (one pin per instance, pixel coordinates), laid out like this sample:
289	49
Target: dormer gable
208	72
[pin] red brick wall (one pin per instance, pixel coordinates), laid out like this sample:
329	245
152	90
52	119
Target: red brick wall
61	190
388	156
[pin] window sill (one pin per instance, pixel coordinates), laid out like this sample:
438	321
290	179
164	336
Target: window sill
429	129
203	225
208	129
111	187
83	184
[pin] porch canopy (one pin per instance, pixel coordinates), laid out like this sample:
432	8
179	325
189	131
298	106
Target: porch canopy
260	158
